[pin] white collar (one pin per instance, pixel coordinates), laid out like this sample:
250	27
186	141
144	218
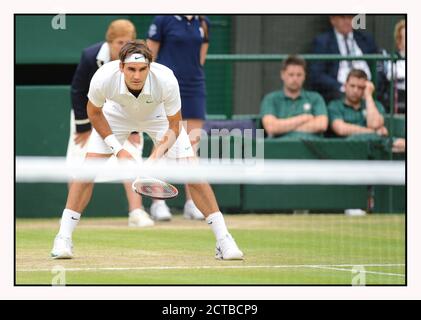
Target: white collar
145	90
104	53
340	36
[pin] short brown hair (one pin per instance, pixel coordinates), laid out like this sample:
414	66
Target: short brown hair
120	28
357	73
137	46
293	60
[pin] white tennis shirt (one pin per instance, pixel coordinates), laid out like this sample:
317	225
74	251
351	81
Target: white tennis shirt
160	95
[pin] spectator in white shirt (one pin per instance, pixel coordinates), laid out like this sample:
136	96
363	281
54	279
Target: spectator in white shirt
328	76
399	75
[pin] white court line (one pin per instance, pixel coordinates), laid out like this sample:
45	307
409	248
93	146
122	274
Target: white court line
337	267
360	271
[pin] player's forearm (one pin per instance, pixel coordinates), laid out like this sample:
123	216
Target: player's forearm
166	142
98	120
316	125
170	136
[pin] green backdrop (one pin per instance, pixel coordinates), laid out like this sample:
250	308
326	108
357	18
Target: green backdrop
42	128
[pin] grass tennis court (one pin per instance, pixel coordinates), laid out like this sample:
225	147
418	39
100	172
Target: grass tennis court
279	250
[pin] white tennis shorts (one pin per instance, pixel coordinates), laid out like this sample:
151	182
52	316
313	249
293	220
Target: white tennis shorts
76	154
123	123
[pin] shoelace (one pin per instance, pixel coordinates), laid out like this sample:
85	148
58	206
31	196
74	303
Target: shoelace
218	252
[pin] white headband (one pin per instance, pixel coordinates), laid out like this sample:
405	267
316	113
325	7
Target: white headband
136	57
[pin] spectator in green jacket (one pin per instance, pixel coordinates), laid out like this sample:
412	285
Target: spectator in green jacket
358	115
294	112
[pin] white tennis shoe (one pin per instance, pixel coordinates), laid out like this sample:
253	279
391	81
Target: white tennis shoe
227	249
160	211
62	249
192	212
140	218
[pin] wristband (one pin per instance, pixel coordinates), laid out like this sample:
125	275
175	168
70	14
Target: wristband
113	143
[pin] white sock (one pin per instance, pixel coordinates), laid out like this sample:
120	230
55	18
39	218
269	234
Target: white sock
189	203
217	224
69	221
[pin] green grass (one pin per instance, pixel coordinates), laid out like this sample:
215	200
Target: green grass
279	250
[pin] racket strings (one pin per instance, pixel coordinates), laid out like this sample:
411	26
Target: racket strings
155	188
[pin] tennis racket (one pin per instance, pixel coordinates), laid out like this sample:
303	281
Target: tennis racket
154	188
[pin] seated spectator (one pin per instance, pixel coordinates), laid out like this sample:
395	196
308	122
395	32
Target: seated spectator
294	112
328	77
358	115
399	98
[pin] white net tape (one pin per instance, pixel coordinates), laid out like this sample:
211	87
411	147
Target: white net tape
323	172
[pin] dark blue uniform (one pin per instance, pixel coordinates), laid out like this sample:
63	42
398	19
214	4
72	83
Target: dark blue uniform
180	43
86	68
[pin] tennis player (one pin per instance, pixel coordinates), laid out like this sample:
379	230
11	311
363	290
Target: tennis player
118	33
136	94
